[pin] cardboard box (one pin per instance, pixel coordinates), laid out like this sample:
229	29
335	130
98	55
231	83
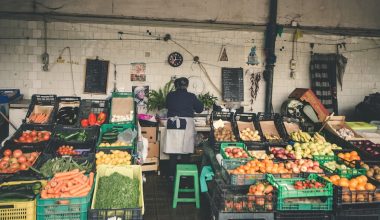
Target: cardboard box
308	95
153	150
338	122
149	133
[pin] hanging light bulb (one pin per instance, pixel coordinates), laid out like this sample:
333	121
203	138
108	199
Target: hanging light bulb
252	57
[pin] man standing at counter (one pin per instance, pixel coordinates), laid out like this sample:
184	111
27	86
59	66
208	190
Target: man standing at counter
181	106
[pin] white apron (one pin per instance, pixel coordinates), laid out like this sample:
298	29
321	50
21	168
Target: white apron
180	141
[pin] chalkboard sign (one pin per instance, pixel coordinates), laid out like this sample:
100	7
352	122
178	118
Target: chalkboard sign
96	76
232	84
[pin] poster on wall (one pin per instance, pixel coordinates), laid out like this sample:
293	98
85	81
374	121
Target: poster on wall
141	99
138	72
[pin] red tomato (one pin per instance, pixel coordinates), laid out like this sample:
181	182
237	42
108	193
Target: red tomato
17	153
29	140
23	166
21	139
35	139
31	158
6	158
21	159
24	134
46	137
7	152
33	133
34	154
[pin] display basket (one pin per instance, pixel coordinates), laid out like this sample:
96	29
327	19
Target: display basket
20	209
304	215
227	118
64	208
247	120
235	199
362	145
43	100
92	134
133	171
122	103
95	106
115	128
30	127
358	213
68	101
348	173
271	125
83	149
223	146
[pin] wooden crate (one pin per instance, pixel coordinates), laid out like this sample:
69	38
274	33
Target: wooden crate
150	164
338	122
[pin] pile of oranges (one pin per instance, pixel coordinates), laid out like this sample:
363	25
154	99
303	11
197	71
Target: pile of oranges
349	156
358	183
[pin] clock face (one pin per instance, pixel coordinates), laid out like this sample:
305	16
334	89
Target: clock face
175	59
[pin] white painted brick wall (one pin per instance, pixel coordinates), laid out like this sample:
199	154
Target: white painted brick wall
21	67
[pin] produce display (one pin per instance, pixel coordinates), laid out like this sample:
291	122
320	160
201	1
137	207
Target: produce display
68	184
300	136
373	172
67	150
116	157
122	118
310	149
369	148
235	152
33	136
67	115
260	154
248	134
308	184
38	118
345	133
272	137
94	119
62	164
14	161
349	156
22	191
113	190
114	144
79	136
281	153
333	165
269	166
224	134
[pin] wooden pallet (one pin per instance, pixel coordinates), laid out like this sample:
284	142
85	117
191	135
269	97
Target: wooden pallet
151	164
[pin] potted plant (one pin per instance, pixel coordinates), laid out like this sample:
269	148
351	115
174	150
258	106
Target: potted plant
208	100
157	100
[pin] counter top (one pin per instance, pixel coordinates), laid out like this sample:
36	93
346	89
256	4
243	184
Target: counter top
22	103
200	129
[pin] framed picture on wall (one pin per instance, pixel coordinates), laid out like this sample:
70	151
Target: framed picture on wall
138	72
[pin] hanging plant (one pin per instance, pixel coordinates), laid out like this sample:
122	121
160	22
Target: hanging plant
255	79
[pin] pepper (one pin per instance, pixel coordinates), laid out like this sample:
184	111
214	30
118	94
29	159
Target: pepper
101	118
84	122
91	119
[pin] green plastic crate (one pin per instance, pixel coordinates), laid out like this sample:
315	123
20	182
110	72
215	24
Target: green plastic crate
323	158
324	206
119	127
49	209
348	173
285	187
236	145
123	95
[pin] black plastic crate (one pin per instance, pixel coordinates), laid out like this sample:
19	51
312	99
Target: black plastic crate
84	149
248	118
372	164
75	110
25	127
279	126
95	106
361	146
92	133
224	116
43	100
294	215
125	214
360	213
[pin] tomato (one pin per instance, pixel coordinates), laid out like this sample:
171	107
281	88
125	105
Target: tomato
84	123
23	166
14	166
33	133
21	139
21	159
7	152
28	140
5	158
17	153
46	137
24	134
34	154
3	164
31	158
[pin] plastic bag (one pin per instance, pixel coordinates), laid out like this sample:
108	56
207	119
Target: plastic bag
127	136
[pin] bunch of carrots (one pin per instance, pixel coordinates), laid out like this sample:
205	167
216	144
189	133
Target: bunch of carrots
38	118
68	184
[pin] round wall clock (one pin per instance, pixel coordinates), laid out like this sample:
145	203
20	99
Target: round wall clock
175	59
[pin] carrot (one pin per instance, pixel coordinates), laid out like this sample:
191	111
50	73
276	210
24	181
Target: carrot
69	177
43	194
50	191
66	173
64	189
58	188
77	189
53	184
81	192
91	179
70	184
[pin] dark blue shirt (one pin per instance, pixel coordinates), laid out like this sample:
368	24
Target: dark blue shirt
182	103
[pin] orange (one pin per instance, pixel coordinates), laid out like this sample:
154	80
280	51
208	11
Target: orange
343	182
260	187
334	178
369	186
341	155
354	153
353	183
362	179
347	155
360	187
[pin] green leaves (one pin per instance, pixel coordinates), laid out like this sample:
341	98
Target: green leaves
157	99
207	99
